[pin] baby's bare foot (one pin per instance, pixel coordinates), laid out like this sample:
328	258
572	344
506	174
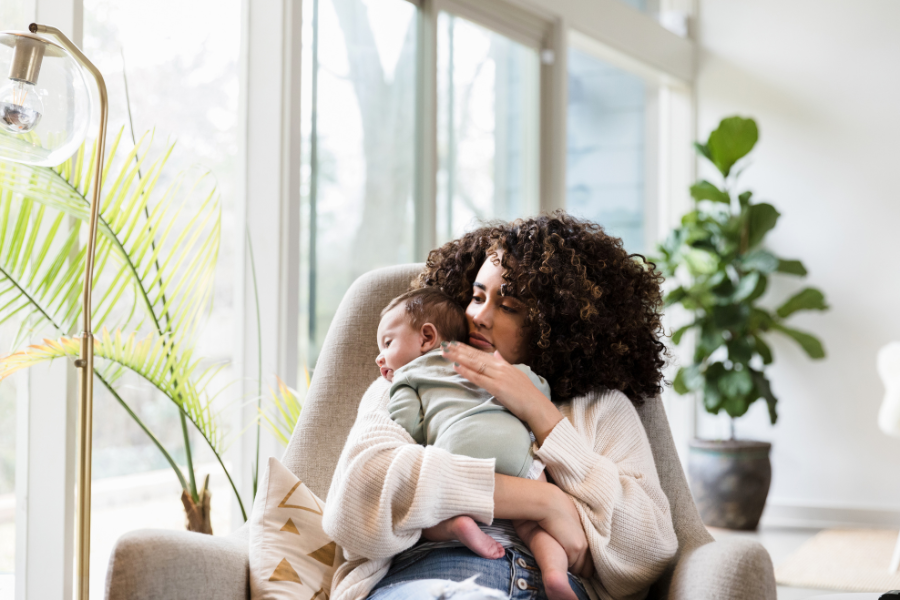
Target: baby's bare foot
557	587
466	531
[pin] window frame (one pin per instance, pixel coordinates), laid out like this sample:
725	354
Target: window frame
270	152
608	29
534	28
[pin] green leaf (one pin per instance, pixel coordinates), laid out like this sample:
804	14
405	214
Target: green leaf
744	198
675	296
746	286
710	339
704	190
731	141
735	383
760	289
730	315
806	299
810	344
791	267
703	150
724	290
712	397
760	320
761	218
688	379
701	262
737	406
759	260
740	350
698	236
679	385
765	390
762	348
676	337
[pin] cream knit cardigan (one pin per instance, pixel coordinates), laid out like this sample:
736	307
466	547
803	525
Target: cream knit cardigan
386	489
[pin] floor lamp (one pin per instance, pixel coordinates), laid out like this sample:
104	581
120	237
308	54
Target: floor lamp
45	113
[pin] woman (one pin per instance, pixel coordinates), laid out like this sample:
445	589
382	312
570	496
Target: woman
561	296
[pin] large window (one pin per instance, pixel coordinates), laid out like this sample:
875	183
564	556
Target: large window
472	116
359	103
368	86
488	127
183	86
607	150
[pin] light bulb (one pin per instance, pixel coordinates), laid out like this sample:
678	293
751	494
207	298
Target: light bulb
20	107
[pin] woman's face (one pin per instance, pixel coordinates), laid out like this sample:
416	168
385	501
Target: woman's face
495	321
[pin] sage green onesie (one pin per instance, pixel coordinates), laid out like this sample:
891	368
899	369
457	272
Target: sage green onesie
439	407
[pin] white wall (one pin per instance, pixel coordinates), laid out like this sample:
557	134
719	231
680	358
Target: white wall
822	80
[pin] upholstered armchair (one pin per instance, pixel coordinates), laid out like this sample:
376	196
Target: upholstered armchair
179	564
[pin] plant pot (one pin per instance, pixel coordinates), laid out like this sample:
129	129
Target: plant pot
730	481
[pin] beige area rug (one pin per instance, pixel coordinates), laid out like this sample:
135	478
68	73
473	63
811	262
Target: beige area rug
847	560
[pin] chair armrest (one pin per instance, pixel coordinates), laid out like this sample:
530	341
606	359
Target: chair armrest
733	569
154	563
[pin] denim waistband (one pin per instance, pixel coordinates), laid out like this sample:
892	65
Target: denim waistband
516	575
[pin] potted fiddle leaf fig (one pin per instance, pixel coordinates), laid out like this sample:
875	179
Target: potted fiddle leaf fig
719	257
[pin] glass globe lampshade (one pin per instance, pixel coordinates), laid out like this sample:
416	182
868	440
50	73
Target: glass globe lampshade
45	105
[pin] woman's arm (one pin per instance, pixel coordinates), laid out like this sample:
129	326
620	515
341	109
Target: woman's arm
386	488
601	456
530	500
613	480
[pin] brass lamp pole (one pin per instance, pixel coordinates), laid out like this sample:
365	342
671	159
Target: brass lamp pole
17	116
85	363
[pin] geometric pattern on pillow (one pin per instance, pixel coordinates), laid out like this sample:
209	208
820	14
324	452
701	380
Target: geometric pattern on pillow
290	555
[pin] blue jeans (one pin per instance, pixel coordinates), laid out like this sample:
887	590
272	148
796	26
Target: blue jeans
428	577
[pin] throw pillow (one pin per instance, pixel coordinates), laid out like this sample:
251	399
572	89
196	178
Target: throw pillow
290	555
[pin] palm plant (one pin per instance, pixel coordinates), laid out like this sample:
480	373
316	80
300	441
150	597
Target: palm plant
155	265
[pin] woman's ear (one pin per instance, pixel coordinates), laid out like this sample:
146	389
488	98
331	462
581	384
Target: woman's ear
428	337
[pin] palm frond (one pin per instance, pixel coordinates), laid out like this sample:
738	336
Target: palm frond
154	259
177	376
287	403
40	266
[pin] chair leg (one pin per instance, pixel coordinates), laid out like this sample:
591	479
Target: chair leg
895	561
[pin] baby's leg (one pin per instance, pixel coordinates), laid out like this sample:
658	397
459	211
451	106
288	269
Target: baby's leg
466	531
550	557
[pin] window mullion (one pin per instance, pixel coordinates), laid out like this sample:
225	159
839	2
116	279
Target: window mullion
426	132
269	210
46	410
554	106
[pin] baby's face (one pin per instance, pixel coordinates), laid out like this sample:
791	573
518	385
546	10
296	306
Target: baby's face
398	342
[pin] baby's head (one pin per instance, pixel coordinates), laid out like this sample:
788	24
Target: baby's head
416	323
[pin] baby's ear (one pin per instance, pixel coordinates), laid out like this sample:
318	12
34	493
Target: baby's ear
428	336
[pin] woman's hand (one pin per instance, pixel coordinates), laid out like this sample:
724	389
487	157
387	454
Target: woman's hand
552	509
564	524
510	386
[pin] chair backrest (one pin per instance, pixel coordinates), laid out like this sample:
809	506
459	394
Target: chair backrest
346	367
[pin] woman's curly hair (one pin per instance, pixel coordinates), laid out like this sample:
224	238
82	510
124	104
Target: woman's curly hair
593	316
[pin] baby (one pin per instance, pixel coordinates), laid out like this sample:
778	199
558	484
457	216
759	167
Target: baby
439	407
